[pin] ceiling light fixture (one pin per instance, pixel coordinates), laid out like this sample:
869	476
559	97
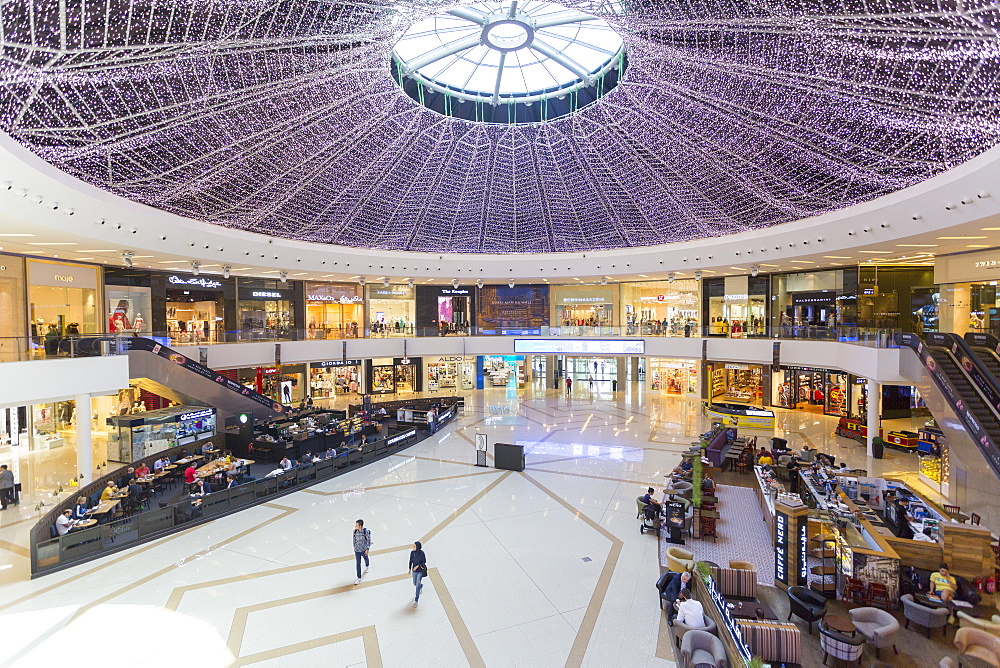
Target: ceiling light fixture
127	258
195	268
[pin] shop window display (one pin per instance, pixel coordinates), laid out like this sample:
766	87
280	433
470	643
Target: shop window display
661	308
330	379
503	370
673	377
334	311
451	374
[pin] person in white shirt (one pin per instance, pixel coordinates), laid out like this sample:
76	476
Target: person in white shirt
286	464
64	522
689	611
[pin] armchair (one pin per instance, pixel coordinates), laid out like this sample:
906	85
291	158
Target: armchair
806	604
742	565
978	644
840	646
681	629
929	618
679	559
700	648
991	626
878	626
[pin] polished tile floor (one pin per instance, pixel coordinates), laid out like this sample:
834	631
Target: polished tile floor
540	568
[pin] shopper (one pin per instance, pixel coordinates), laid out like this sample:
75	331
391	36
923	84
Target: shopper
418	569
569	385
362	543
690	612
6	487
670	585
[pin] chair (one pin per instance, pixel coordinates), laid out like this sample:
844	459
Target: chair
855	591
679	559
742	565
979	645
743	463
806	604
929	618
878	626
680	629
991	626
701	648
640	507
840	646
952	510
974	518
682	488
878	594
708	528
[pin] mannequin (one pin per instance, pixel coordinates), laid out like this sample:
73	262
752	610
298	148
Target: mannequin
118	322
138	323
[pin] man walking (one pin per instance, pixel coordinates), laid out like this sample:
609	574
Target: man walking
6	487
362	541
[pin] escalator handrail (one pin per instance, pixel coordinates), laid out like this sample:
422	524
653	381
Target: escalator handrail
157	348
982	378
982	440
983	340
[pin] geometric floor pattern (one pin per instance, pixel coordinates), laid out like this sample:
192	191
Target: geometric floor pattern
544	567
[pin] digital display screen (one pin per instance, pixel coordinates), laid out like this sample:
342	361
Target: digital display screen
581	346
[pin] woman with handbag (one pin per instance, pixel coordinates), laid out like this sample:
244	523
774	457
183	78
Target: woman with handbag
418	569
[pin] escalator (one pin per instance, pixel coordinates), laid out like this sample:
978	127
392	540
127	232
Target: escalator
985	347
155	368
966	384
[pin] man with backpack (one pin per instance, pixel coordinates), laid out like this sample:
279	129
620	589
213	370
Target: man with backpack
362	542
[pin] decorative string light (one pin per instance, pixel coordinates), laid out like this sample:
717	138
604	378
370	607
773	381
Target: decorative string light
283	118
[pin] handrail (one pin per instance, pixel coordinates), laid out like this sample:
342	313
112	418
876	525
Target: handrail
985	444
49	555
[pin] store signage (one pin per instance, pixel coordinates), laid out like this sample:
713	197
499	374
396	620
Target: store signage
735	631
60	275
63	279
392	440
330	363
736	298
580	346
455	291
266	294
738	367
803	551
194	280
393	292
197	415
781	548
270	370
342	299
583	300
457	358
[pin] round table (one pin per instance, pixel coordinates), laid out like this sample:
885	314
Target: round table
84	524
838	623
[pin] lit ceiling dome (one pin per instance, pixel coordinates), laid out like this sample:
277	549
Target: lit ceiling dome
289	119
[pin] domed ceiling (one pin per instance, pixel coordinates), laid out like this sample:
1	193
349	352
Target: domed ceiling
296	118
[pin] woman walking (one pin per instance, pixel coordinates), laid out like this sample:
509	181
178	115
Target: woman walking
418	569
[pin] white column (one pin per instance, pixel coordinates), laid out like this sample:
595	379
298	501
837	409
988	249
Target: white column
874	405
84	441
550	371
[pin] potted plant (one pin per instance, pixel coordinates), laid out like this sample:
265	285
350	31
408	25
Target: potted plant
756	662
705	571
878	447
696	475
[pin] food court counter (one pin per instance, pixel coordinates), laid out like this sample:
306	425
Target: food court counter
769	491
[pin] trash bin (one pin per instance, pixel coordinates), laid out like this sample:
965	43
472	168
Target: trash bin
614	386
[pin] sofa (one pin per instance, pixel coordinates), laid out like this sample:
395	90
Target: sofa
929	618
991	626
878	626
700	648
773	642
917	580
978	644
738	582
679	559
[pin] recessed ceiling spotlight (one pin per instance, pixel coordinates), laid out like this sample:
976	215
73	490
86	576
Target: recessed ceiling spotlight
195	268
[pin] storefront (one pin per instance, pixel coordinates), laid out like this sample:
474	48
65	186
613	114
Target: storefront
445	311
391	310
522	309
13	317
501	371
129	300
266	309
896	297
334	378
394	375
63	300
195	308
334	310
736	306
285	383
132	437
673	377
583	306
966	300
661	308
814	299
450	373
734	381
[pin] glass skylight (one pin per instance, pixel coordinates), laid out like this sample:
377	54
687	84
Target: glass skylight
503	52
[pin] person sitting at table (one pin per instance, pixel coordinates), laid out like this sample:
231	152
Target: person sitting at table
670	585
159	464
141	471
232	481
758	614
330	453
208	448
943	585
286	464
708	486
306	458
64	522
648	499
129	474
200	488
190	474
690	612
765	459
80	509
109	491
807	454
